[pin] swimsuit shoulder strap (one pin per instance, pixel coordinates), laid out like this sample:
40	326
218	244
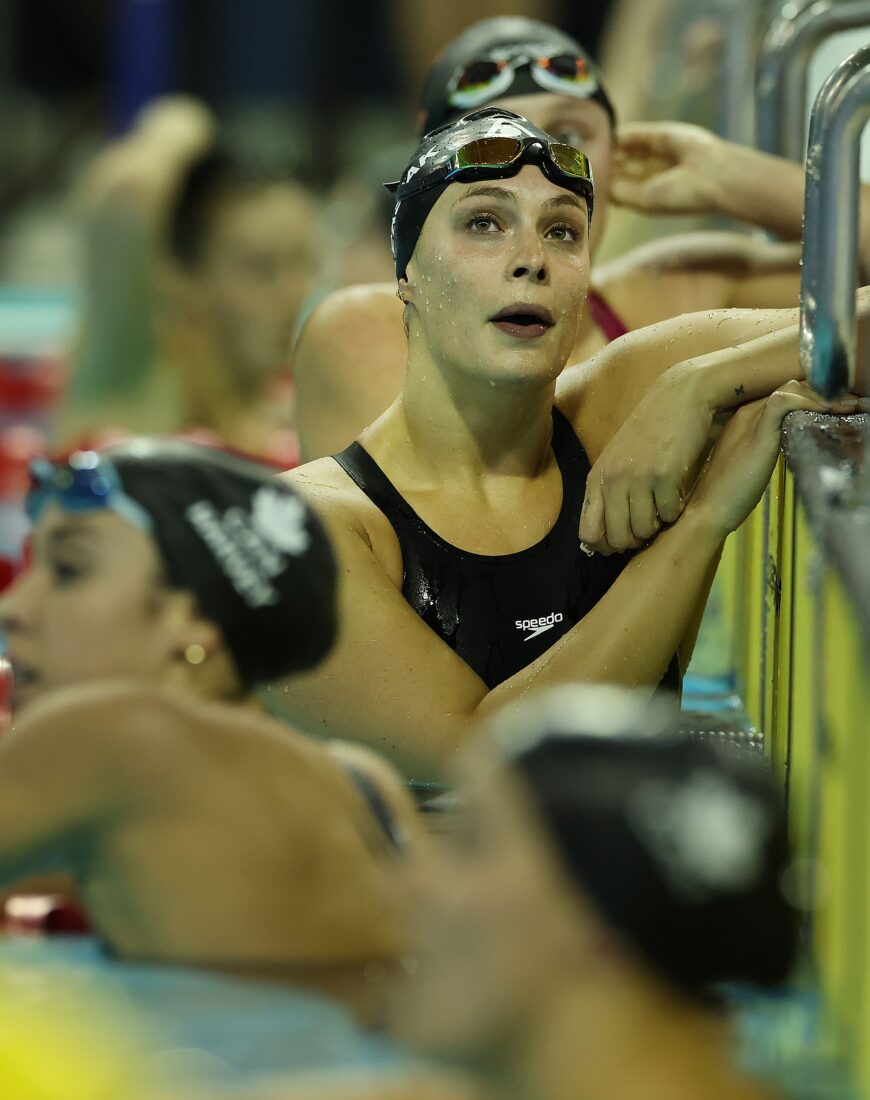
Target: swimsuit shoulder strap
574	466
361	468
377	806
605	316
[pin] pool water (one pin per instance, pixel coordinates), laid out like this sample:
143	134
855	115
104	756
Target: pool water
204	1031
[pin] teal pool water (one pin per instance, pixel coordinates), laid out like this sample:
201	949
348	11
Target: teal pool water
221	1032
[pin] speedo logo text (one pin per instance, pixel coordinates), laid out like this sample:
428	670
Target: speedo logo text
538	626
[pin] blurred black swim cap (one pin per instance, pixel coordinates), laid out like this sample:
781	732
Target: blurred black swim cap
251	550
497	39
680	844
433	167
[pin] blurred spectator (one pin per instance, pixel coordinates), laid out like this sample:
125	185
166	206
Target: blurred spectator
198	269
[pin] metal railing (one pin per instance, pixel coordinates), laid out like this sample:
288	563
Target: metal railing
831	228
783	64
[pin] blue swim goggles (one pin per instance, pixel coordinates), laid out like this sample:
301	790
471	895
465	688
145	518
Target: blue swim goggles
86	482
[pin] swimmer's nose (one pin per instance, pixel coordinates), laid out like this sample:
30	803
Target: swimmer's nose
536	273
530	263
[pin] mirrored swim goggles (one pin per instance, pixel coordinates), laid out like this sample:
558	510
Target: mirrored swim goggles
499	157
479	81
86	482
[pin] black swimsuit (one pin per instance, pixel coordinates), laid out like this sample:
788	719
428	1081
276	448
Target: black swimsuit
499	612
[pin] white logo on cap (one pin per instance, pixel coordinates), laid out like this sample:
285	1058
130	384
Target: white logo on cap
280	519
704	834
502	127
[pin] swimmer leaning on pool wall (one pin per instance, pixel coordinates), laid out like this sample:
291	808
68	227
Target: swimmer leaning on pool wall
349	363
458	512
166	580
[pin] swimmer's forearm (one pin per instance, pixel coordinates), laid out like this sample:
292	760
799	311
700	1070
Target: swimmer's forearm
632	633
769	192
763	190
759	365
753	369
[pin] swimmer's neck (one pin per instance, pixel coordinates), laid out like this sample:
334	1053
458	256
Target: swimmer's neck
625	1035
464	426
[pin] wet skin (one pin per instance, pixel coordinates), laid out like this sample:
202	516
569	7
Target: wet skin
350	360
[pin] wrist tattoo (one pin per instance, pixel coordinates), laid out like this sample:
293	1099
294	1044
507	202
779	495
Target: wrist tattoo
739	392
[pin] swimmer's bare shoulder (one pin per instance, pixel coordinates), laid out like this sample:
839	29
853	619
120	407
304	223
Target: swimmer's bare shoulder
92	748
355	523
72	761
689	272
348	366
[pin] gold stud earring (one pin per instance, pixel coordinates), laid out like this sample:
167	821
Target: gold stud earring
195	654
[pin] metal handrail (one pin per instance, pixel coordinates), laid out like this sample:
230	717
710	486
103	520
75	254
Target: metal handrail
741	21
783	64
829	275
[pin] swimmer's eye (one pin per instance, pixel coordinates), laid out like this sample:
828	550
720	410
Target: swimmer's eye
564	232
483	223
66	572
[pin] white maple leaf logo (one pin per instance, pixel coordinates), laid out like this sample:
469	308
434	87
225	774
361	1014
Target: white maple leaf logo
280	519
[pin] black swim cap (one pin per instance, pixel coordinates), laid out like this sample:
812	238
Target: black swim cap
415	196
680	844
497	38
251	550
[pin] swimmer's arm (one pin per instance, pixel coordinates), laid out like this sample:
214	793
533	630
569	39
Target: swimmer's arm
769	191
59	779
348	367
600	394
645	409
116	345
718	359
393	684
390	682
678	168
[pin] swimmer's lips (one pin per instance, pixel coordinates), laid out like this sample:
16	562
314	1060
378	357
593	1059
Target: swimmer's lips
523	321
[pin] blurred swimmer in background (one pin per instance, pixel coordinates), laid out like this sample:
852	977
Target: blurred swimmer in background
198	267
349	364
456	515
166	580
602	877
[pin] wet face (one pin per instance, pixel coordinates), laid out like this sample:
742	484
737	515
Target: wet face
497	281
582	123
499	925
91	606
257	269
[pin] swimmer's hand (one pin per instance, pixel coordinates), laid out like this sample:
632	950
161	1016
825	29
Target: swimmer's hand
642	477
741	463
140	170
668	168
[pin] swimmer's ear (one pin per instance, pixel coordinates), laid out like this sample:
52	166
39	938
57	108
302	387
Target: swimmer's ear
187	626
406	290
